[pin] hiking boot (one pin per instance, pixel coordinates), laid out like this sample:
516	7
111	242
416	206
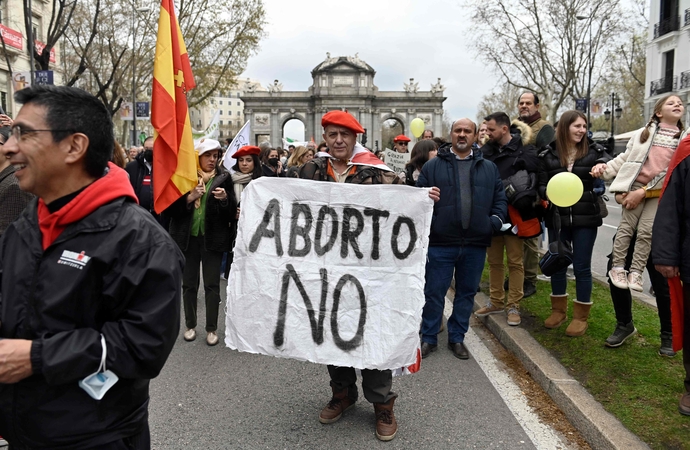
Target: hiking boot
579	324
684	405
618	278
386	425
513	317
620	334
559	307
528	289
488	309
636	281
335	408
666	348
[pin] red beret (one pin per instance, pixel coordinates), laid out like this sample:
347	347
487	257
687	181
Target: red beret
341	119
247	150
401	138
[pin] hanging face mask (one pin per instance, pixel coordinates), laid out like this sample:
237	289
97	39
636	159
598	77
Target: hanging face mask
97	384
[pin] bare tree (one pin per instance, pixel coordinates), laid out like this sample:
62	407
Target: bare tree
503	98
60	17
542	46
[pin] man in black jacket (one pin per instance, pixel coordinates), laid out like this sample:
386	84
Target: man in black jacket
515	161
140	173
90	285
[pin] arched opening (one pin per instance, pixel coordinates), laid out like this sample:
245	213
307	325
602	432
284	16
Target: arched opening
293	130
389	130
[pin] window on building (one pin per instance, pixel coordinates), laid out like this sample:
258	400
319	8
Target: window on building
2	11
238	104
238	95
221	122
221	113
221	102
238	113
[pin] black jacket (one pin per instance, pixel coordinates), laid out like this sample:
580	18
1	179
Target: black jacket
671	232
137	170
518	165
586	212
128	290
489	204
219	221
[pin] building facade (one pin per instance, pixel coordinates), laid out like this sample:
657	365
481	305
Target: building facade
230	107
668	53
16	48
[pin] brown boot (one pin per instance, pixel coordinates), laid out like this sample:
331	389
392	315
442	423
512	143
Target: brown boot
580	315
559	308
335	408
386	426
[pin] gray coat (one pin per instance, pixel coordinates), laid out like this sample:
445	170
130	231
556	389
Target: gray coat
12	199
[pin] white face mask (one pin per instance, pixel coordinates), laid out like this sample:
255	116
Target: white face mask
98	383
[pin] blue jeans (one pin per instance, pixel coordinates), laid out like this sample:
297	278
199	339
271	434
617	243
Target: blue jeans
582	240
468	263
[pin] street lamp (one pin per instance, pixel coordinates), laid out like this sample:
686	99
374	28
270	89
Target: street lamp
617	112
589	79
134	70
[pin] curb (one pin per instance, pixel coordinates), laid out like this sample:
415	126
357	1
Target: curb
600	428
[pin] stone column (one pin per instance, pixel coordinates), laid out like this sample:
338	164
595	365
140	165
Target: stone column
276	132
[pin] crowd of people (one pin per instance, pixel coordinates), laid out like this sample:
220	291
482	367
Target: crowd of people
68	212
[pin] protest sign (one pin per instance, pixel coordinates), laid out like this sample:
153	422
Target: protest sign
395	160
331	273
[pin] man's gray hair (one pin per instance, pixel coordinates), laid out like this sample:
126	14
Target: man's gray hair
265	146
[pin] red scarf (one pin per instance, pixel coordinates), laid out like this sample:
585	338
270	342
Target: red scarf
674	284
113	185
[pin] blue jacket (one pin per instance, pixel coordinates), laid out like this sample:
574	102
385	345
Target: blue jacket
489	203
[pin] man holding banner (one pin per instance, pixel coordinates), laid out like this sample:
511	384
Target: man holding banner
349	162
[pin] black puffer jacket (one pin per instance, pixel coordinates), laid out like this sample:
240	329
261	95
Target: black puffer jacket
219	220
584	213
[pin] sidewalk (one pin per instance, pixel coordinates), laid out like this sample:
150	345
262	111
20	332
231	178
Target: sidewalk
600	428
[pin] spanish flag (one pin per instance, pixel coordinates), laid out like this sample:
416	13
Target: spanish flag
174	163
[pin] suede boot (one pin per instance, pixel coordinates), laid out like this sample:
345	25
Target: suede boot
335	408
580	315
386	425
559	308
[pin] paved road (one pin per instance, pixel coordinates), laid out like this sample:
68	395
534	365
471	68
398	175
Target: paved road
213	397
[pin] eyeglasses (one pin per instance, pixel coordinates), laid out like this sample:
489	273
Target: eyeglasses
19	132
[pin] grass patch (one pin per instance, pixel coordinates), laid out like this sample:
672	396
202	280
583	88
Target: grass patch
632	382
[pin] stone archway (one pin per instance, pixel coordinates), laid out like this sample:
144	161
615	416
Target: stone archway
390	128
288	130
343	83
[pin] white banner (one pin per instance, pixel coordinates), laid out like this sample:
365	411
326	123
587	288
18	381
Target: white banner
395	160
242	138
211	132
333	275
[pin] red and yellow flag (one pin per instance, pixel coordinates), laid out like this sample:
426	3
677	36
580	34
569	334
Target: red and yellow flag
174	164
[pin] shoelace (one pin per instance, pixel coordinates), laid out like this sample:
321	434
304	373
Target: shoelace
385	416
513	311
333	403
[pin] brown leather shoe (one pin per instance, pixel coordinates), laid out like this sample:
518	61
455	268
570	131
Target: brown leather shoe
684	405
386	425
335	408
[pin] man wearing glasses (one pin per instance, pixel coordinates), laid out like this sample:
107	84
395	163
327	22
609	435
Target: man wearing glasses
89	284
401	143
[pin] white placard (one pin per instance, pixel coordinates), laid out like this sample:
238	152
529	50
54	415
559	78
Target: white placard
331	273
395	160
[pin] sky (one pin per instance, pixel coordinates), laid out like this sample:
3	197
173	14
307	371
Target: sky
403	39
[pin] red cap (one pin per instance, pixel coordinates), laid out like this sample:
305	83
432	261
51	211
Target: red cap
247	150
341	119
401	138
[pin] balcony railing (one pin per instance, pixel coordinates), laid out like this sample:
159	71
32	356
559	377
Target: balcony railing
687	17
685	80
663	85
666	26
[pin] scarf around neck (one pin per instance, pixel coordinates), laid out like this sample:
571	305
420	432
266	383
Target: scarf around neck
240	181
533	118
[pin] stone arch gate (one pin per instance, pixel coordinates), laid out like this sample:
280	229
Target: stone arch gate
345	83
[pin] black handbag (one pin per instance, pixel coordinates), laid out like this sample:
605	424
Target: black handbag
559	254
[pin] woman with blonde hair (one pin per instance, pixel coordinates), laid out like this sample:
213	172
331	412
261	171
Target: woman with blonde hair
300	156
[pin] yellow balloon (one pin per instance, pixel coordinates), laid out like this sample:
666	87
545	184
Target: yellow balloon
417	127
564	189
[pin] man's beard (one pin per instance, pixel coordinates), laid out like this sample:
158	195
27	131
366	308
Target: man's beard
461	146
